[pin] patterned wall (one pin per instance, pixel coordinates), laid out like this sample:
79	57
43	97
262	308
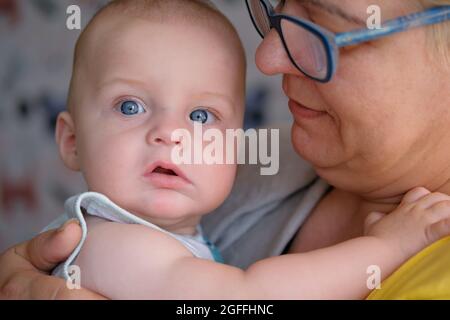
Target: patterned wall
35	65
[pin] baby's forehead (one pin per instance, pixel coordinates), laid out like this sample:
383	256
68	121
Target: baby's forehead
112	30
139	46
188	13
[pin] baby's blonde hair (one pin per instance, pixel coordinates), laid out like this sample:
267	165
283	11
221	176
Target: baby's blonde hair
441	31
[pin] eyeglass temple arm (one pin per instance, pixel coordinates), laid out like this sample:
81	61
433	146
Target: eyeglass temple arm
431	16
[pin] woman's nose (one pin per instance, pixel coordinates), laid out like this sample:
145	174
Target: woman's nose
271	57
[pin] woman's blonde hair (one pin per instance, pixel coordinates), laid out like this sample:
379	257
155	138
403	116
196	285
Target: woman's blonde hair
441	31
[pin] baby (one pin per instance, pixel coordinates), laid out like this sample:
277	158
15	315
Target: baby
143	69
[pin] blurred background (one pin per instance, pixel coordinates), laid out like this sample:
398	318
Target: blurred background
35	66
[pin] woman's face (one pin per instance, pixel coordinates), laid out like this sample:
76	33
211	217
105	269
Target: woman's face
384	118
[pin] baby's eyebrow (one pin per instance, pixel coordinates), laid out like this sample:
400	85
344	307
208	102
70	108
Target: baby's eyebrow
335	10
220	96
116	81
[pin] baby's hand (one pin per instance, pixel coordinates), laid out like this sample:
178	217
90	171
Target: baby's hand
421	219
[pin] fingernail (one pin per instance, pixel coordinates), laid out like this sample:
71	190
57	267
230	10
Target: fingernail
63	227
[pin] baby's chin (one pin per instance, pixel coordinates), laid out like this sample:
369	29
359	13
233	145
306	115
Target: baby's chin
164	206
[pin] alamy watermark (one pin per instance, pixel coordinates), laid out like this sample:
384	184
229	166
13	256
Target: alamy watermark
374	20
73	21
212	146
374	280
74	280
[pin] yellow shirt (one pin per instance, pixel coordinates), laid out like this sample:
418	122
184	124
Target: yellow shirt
425	276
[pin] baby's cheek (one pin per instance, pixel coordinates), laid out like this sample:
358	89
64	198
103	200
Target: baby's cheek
105	168
215	183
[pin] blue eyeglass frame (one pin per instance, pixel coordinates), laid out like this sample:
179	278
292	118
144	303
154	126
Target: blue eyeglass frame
333	41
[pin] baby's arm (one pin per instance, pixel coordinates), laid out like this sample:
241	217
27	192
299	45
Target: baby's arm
139	263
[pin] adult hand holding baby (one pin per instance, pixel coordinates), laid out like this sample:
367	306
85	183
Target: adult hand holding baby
24	265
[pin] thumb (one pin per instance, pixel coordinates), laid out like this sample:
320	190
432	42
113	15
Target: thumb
46	250
371	219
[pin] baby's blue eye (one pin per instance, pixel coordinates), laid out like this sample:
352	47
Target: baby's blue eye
202	115
130	108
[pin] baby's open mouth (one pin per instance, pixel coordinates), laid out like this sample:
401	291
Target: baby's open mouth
164	171
166	175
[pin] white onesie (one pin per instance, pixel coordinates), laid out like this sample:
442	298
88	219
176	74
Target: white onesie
97	204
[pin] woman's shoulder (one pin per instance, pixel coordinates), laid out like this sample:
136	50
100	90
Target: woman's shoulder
331	221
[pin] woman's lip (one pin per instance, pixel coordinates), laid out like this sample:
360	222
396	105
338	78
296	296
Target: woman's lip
301	111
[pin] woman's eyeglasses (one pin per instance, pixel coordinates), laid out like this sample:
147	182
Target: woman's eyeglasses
314	50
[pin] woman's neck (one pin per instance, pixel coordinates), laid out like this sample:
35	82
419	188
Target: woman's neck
340	216
389	203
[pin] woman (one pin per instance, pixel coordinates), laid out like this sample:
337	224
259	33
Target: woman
373	127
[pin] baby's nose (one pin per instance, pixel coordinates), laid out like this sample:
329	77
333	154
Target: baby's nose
164	140
163	134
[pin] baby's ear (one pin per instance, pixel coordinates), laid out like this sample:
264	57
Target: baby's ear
66	140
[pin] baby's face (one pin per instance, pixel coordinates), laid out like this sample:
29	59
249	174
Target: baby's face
143	80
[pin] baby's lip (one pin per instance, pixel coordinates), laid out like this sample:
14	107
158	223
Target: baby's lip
167	168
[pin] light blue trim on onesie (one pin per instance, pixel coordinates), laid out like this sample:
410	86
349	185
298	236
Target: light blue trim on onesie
99	205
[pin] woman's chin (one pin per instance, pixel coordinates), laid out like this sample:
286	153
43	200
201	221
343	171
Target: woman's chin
316	149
